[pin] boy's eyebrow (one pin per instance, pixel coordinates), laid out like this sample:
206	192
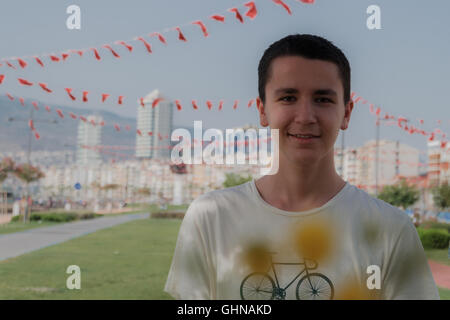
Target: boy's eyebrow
329	92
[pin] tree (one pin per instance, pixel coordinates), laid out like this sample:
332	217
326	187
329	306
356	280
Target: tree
233	179
28	173
400	195
441	196
6	166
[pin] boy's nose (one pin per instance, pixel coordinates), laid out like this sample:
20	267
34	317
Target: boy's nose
305	113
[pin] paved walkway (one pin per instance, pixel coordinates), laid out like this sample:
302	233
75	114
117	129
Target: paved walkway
18	243
441	274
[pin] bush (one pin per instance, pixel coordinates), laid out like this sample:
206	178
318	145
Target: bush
54	217
90	215
17	218
434	238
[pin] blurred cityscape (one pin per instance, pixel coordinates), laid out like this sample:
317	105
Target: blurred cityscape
103	177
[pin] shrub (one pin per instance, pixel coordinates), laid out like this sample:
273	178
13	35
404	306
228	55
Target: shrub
434	238
17	218
85	216
54	217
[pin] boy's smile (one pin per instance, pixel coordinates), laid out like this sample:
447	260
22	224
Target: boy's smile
305	101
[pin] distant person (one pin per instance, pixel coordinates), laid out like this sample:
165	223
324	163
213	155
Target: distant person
305	215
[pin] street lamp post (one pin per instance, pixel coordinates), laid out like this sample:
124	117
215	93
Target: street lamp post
11	119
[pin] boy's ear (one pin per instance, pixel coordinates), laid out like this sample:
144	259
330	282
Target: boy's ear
347	114
262	113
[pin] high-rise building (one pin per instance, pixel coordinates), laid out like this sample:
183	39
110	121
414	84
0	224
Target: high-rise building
88	140
155	126
358	165
438	162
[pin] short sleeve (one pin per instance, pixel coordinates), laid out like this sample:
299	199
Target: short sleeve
190	273
408	275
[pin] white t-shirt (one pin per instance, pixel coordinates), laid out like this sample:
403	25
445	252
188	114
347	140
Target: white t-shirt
362	234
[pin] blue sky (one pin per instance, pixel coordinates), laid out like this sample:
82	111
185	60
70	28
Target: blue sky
403	68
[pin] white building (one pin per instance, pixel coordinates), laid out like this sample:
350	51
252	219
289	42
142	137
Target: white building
88	140
394	159
155	126
438	162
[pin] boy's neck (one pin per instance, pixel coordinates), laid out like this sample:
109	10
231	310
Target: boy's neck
301	188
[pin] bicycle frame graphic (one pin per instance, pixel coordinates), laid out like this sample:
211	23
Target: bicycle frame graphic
313	286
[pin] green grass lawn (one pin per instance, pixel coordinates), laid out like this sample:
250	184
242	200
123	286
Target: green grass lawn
438	255
129	261
20	226
444	293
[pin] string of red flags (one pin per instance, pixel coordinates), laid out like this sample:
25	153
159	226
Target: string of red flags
401	121
248	10
116	126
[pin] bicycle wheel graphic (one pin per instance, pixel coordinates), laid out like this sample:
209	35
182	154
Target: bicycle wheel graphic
257	286
315	286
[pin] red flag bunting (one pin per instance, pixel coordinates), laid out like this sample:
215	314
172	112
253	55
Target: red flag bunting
220	105
44	87
85	93
82	118
180	34
69	92
39	61
177	102
251	13
35	105
107	46
72	115
130	48
160	37
117	127
54	58
97	56
2	77
147	45
150	133
307	1
120	100
64	56
285	6
209	104
155	102
92	122
22	101
48	109
139	132
104	96
142	102
10	97
24	82
250	103
235	104
60	113
218	17
238	15
30	124
194	104
22	63
202	26
10	65
36	135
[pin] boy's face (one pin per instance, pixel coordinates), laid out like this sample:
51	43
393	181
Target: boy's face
305	96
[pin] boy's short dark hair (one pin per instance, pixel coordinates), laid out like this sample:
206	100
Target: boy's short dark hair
307	46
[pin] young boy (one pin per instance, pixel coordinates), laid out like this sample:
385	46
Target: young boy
252	241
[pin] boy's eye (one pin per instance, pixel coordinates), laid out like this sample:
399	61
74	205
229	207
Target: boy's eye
324	100
288	98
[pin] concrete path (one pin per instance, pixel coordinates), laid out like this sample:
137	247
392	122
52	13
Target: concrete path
441	274
18	243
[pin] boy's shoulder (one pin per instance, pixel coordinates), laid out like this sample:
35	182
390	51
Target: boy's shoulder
212	201
377	208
